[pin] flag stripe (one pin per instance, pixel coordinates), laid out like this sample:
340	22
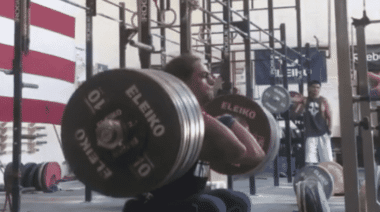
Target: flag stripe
35	111
49	89
39	64
43	17
41	40
60	6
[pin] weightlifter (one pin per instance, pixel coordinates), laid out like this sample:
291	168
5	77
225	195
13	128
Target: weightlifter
317	116
228	148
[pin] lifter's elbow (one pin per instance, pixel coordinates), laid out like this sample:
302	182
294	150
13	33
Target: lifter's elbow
235	153
260	154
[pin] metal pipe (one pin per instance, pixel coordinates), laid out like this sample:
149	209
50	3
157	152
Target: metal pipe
243	33
288	139
329	29
75	4
349	149
108	17
142	46
17	118
168	40
122	38
367	135
89	60
255	25
271	42
286	7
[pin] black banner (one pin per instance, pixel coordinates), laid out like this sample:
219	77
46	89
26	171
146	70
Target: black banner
263	67
373	57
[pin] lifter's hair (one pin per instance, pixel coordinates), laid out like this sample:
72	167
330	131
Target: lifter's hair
182	66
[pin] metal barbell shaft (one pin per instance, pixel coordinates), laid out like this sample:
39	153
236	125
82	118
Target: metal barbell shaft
75	4
143	46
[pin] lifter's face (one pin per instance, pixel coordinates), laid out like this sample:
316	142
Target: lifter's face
202	83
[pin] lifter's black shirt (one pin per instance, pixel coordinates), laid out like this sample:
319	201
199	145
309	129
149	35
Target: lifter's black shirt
192	182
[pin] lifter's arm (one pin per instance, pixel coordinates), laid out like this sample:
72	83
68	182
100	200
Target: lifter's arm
220	143
223	147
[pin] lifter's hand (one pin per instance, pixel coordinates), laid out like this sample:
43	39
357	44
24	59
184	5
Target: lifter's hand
237	151
220	143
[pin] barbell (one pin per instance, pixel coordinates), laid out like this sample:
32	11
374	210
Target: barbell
315	184
127	132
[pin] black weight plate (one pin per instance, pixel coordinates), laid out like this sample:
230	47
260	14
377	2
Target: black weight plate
36	183
311	200
322	198
336	170
30	176
7	177
196	124
276	99
121	92
318	173
260	122
302	196
27	169
298	194
40	176
316	200
182	109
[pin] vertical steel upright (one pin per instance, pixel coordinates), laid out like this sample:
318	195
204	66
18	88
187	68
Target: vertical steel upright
271	42
17	118
226	62
162	32
185	26
345	101
284	68
248	71
307	57
207	25
143	11
90	12
299	45
248	52
122	44
365	112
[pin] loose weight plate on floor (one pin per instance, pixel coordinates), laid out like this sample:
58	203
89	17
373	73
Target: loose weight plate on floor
50	175
336	170
24	178
318	173
30	178
39	174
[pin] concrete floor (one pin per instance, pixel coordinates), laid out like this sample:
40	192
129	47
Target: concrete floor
70	198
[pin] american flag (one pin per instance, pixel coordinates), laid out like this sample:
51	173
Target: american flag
50	63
